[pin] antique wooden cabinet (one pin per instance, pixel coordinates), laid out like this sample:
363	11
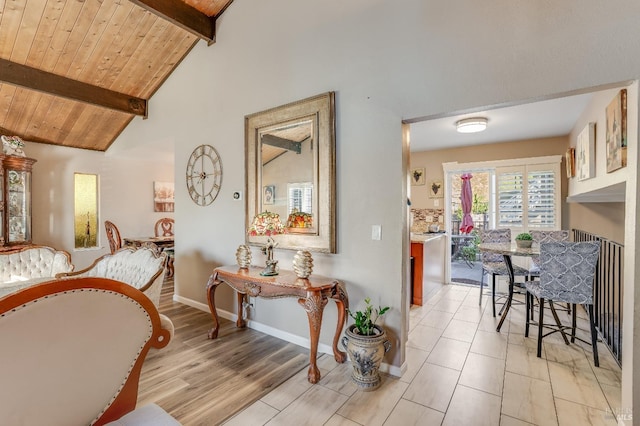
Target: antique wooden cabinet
15	207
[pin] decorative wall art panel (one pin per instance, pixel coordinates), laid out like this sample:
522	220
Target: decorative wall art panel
616	132
585	153
163	196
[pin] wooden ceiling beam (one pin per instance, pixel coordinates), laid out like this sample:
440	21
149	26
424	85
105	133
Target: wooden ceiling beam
283	143
183	15
53	84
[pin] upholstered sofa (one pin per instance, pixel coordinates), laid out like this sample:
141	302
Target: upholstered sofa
140	267
72	354
31	265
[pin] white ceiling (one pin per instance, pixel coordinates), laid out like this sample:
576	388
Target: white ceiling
548	118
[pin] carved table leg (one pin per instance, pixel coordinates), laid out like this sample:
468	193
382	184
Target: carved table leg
314	305
240	321
211	289
342	303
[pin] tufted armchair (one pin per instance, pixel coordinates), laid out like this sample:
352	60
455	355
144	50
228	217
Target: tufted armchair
65	359
32	265
140	267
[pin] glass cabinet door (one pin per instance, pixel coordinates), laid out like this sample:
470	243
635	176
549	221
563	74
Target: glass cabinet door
19	206
2	205
15	210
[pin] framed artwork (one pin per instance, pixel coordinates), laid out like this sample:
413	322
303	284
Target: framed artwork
436	189
85	202
268	194
417	176
163	197
616	132
570	160
585	153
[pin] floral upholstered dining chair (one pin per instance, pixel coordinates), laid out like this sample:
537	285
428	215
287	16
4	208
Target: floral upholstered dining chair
567	273
493	263
540	237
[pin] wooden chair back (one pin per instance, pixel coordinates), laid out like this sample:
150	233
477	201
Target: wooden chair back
113	235
164	227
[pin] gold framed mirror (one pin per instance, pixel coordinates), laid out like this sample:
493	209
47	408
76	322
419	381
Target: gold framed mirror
290	171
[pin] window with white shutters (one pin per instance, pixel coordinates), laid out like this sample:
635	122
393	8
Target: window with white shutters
300	195
528	197
541	199
510	188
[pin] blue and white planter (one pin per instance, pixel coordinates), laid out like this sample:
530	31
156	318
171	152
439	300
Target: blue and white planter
366	353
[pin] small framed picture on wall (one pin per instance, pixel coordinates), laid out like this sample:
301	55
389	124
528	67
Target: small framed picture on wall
268	194
417	176
436	189
570	159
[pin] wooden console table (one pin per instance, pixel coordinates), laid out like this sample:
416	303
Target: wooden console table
313	294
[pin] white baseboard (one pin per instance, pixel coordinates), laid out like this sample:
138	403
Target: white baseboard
287	337
192	303
394	370
263	328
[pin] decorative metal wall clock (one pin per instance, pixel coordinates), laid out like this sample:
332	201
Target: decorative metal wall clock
204	175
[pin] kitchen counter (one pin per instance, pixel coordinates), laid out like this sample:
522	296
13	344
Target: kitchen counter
427	251
423	238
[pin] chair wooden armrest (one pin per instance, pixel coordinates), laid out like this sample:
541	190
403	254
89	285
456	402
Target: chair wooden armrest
72	350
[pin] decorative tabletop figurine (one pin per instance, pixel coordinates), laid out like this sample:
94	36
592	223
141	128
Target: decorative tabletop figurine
303	264
243	256
12	145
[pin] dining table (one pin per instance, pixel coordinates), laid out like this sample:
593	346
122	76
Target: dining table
507	250
161	242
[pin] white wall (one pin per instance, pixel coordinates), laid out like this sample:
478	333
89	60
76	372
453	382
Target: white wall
126	195
387	61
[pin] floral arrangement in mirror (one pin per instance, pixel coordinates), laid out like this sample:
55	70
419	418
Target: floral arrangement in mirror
299	219
303	264
243	256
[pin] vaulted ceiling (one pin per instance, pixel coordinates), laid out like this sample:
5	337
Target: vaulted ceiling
76	72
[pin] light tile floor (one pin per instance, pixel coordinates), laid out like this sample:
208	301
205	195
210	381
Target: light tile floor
460	371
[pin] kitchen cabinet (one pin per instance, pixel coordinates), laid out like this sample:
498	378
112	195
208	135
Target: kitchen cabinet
428	264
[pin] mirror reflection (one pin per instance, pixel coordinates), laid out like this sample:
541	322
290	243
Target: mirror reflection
288	158
290	153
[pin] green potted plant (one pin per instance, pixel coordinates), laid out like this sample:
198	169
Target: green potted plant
366	343
524	240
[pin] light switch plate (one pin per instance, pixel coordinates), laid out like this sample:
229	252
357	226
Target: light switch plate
376	232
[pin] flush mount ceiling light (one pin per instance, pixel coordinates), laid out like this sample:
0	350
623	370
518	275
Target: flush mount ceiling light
471	125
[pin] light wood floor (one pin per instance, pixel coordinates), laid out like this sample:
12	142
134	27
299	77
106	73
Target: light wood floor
201	381
460	372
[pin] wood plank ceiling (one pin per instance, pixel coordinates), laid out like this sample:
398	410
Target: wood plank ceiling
76	72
